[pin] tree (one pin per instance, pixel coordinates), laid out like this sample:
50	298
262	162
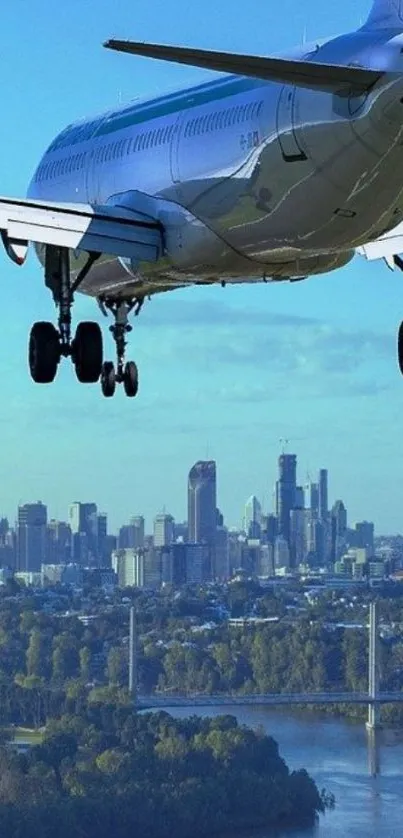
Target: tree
35	654
85	663
116	666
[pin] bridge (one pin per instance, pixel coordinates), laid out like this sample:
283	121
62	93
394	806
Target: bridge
162	701
373	699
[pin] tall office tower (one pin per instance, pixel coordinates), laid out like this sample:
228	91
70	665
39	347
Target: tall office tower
252	517
138	527
129	567
163	530
281	553
202	507
364	536
198	557
58	543
286	491
297	537
299	498
84	528
173	564
322	484
314	499
31	534
221	564
338	530
269	528
103	543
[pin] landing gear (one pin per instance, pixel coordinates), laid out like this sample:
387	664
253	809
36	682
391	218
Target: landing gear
87	352
43	352
48	344
108	379
124	373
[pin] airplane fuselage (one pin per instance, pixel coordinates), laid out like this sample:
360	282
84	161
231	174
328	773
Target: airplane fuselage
256	179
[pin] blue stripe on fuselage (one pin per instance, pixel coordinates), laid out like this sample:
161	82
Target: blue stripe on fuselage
138	113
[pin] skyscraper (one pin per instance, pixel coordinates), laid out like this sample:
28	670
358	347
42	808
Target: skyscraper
202	502
339	530
314	499
252	517
32	536
323	503
84	528
163	530
286	492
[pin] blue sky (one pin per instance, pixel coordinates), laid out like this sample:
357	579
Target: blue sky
224	372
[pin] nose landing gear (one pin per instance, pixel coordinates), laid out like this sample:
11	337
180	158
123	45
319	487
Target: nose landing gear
125	372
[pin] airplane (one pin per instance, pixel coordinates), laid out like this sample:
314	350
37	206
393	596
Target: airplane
278	169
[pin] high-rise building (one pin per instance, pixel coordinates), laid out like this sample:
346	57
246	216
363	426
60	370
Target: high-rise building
281	553
84	527
314	499
31	537
138	524
299	498
323	502
364	536
252	517
58	547
286	492
221	563
297	537
202	502
164	526
339	530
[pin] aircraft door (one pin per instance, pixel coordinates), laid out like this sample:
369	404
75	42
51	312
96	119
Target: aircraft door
286	121
92	176
175	152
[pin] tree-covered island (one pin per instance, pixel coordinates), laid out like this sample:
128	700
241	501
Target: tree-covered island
111	772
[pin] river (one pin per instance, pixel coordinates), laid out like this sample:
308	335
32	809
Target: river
336	754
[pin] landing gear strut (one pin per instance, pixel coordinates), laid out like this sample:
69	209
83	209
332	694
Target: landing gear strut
125	373
48	344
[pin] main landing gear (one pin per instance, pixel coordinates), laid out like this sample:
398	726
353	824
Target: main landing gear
48	343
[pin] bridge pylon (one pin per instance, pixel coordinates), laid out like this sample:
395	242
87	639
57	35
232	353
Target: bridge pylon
133	657
373	722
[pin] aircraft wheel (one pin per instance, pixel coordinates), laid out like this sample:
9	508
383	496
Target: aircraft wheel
87	352
131	379
43	352
108	379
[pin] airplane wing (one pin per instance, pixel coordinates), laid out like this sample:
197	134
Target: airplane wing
329	78
386	247
95	229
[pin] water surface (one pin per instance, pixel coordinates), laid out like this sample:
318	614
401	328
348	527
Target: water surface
337	755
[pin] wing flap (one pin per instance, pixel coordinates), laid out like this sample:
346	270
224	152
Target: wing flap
109	230
325	77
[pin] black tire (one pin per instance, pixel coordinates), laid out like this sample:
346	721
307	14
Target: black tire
400	348
108	379
43	352
131	379
87	352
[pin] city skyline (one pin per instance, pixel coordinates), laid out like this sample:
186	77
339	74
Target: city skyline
266	500
198	477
